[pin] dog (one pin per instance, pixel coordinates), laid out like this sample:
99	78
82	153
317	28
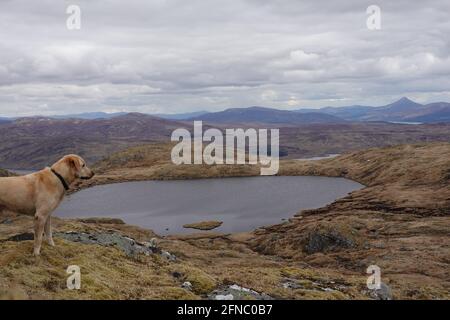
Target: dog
39	194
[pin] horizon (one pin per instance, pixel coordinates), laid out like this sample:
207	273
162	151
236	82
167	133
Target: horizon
169	57
205	111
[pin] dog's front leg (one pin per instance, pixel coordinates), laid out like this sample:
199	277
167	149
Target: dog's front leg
48	231
39	223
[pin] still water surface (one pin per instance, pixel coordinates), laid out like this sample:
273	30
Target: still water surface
242	204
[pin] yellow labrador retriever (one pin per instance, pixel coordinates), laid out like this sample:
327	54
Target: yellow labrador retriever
41	192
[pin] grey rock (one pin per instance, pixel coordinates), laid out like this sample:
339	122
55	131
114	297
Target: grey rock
187	285
168	256
236	292
128	245
224	297
319	241
289	284
21	237
384	293
152	243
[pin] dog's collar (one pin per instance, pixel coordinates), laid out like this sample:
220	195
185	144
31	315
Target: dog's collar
64	183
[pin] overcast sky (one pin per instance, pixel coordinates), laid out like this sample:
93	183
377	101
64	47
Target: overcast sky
186	55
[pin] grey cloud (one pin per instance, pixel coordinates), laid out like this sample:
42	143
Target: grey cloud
178	56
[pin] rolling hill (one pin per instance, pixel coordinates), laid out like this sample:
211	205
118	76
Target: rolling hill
106	115
32	143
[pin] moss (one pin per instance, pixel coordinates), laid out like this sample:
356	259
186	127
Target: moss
106	273
300	273
175	293
322	295
202	283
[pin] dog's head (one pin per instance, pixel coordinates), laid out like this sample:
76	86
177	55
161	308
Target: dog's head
77	167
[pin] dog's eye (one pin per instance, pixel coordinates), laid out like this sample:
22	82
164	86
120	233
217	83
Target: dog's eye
84	165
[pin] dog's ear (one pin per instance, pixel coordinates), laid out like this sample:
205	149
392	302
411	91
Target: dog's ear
74	163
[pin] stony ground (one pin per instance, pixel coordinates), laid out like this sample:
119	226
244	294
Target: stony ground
399	222
123	262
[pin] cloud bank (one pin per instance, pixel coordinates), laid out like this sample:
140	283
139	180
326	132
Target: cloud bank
178	56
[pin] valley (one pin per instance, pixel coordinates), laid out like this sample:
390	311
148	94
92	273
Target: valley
33	143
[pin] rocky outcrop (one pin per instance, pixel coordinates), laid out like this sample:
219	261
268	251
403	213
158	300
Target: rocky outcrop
320	241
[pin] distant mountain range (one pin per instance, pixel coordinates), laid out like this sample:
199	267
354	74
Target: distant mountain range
180	116
90	115
34	142
403	110
104	115
266	115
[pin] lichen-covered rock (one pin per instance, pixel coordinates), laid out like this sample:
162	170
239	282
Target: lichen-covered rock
126	244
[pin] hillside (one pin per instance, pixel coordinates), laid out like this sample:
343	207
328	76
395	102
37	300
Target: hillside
440	113
306	141
399	222
324	139
152	161
33	143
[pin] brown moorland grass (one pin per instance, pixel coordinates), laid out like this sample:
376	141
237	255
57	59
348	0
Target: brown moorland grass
399	222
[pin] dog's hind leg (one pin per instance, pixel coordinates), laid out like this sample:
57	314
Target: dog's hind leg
39	224
48	231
